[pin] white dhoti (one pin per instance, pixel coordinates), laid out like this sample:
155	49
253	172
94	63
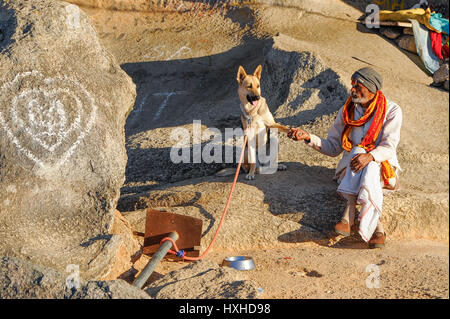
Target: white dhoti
366	186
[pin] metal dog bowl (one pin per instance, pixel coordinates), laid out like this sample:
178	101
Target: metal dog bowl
239	262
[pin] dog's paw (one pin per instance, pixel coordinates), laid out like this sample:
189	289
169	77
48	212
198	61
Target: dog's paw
250	177
282	167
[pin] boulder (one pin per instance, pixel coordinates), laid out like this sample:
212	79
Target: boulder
22	280
150	5
303	90
442	74
338	9
204	280
130	5
63	105
298	85
408	31
129	251
250	222
407	43
391	33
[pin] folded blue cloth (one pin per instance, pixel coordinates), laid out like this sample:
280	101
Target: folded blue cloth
438	22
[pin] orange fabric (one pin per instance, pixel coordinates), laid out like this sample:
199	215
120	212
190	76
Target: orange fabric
377	110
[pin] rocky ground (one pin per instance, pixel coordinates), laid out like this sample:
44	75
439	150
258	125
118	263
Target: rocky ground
404	269
184	66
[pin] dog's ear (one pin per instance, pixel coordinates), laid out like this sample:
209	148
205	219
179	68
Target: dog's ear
241	75
257	72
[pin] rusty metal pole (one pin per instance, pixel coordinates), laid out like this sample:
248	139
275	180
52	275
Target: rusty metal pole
156	259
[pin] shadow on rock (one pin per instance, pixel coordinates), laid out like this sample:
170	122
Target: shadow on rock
8	26
156	165
173	94
304	194
177	92
299	88
324	239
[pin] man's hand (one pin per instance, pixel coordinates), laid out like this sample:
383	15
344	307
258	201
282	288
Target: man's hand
298	135
359	161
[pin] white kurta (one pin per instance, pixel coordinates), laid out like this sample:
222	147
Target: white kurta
367	185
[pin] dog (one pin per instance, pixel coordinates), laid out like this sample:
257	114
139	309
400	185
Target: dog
256	118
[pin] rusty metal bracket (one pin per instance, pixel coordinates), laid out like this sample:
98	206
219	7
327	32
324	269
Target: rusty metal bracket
160	223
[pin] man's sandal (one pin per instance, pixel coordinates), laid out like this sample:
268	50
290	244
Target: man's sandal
342	228
377	240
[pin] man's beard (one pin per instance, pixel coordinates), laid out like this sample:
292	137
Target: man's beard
360	100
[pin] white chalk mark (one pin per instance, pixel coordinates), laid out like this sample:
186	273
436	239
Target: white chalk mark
137	112
161	53
179	52
11	188
37	127
40	113
141	105
164	103
73	16
156	49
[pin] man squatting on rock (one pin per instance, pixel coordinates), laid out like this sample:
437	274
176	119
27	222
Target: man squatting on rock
367	130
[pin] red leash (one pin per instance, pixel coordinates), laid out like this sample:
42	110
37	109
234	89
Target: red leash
180	253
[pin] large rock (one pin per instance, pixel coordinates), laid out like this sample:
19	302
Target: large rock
136	5
407	43
339	9
408	31
391	33
442	74
303	90
298	85
20	279
204	280
63	105
250	222
129	252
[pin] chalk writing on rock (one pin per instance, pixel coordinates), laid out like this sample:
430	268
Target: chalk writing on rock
46	118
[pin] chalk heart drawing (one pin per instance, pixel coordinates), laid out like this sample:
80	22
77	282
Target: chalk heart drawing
46	118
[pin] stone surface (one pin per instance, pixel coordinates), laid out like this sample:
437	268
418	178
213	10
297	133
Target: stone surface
340	9
129	251
118	4
22	280
250	221
204	280
407	43
202	58
408	31
299	84
391	33
302	90
63	105
442	74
